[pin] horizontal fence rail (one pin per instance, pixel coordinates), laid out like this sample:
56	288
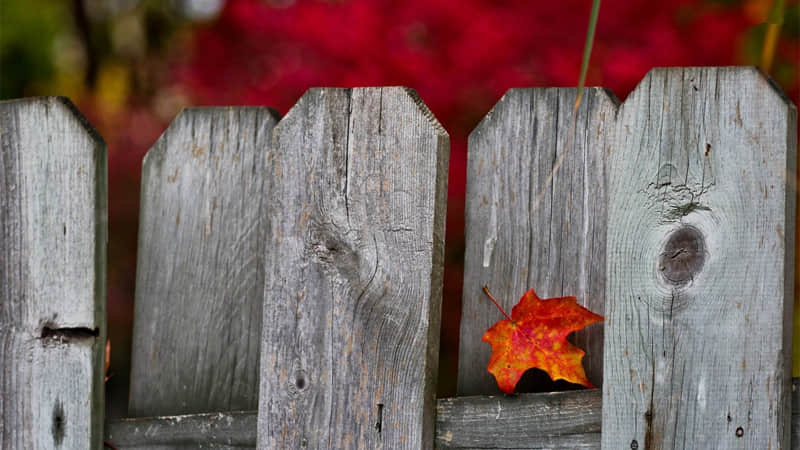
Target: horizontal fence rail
558	420
231	429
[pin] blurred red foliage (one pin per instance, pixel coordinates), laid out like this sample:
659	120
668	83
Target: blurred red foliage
460	55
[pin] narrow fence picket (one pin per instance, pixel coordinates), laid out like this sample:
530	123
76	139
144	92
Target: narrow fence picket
200	267
52	276
530	224
700	263
349	353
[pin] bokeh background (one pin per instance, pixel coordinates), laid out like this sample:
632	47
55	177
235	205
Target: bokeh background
131	65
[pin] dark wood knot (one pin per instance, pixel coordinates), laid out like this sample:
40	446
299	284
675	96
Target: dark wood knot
683	255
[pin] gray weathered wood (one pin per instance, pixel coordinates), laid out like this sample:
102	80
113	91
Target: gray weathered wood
52	276
352	306
223	430
523	231
554	420
698	338
199	280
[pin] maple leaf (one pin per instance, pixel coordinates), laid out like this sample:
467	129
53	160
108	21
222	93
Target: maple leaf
535	335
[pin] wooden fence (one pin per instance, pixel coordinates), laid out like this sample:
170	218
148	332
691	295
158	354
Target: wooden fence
290	270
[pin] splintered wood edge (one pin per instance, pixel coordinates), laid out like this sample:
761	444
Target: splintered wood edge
556	420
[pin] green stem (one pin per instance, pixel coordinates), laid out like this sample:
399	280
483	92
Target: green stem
774	22
587	50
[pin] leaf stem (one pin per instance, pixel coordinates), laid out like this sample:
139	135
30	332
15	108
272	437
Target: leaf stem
489	294
774	22
587	53
587	50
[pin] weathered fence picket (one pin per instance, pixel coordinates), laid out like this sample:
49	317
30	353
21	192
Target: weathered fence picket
530	224
200	267
296	267
52	276
352	298
700	263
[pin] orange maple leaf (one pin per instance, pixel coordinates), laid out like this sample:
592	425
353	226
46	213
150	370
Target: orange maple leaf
535	335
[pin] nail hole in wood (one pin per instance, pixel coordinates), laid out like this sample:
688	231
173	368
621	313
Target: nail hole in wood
683	256
739	432
634	444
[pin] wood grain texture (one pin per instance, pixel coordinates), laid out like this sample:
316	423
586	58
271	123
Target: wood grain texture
553	420
223	430
52	276
524	232
700	357
199	278
352	309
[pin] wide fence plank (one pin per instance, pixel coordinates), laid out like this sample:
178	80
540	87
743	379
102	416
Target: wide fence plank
52	276
700	263
199	278
530	225
352	304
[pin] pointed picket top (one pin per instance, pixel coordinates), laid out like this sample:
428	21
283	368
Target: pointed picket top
199	278
53	216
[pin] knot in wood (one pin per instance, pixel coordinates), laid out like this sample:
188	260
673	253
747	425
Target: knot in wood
683	256
298	382
334	248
